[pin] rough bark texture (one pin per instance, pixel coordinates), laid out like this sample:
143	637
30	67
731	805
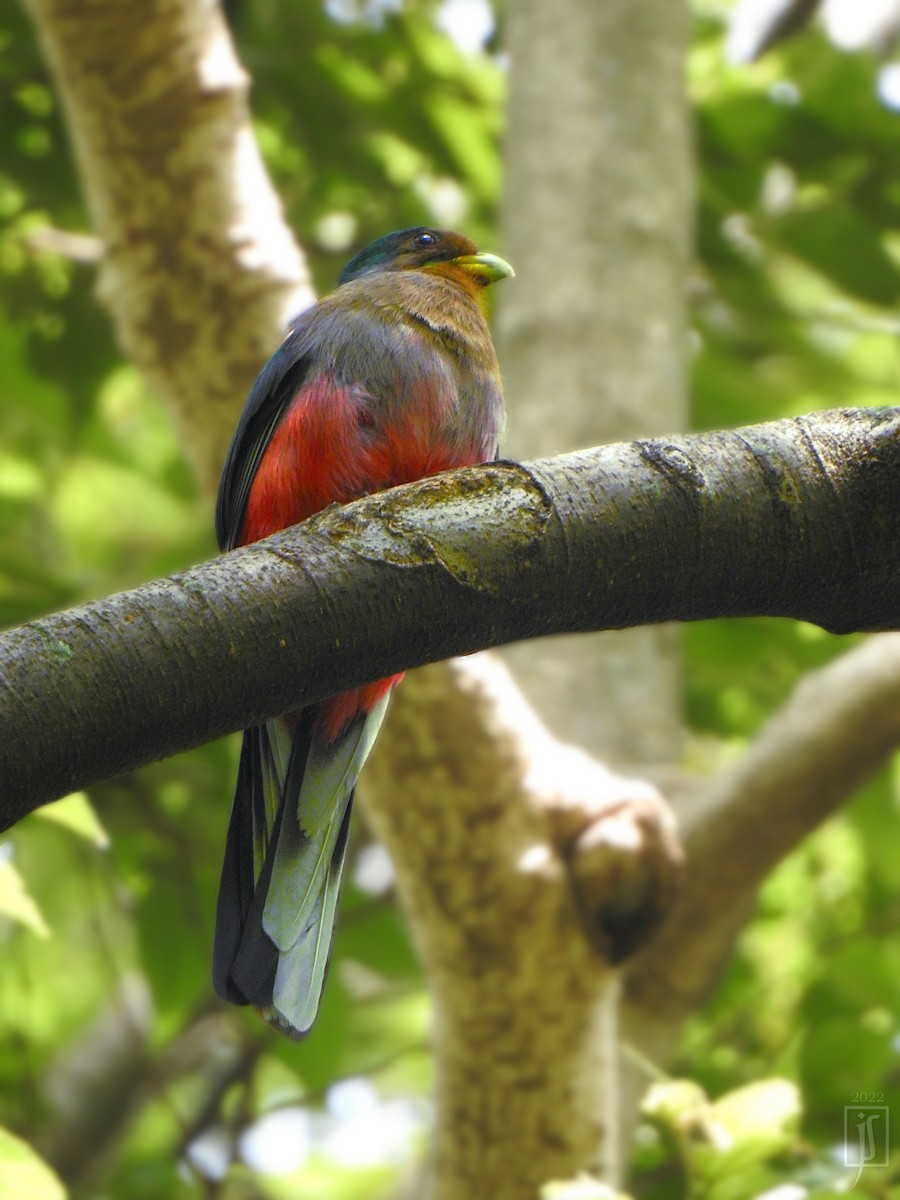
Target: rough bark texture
597	223
794	518
498	890
198	268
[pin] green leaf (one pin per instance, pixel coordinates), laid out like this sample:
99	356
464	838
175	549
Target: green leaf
16	904
761	1111
746	1128
24	1176
840	1056
675	1102
470	145
584	1187
75	813
820	237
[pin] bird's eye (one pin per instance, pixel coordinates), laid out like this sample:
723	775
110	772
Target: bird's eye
426	239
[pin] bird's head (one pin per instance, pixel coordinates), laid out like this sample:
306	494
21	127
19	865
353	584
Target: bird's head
423	249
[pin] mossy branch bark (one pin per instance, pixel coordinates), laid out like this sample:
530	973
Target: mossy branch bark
795	518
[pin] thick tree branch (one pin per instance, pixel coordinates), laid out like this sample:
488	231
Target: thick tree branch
795	518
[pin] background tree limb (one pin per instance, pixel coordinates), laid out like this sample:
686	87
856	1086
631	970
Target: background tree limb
838	727
190	224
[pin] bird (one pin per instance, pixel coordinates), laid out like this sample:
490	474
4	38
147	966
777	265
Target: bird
390	378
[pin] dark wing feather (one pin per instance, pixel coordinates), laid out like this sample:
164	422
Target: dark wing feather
277	384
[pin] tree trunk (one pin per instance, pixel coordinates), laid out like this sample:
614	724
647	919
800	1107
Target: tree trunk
592	337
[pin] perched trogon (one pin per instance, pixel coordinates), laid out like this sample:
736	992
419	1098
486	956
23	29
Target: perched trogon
391	377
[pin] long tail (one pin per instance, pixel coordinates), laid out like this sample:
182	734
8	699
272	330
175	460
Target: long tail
284	859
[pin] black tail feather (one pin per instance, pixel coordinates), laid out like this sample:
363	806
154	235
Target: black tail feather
290	825
245	958
236	884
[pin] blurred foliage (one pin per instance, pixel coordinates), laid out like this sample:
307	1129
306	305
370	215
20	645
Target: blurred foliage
24	1176
371	118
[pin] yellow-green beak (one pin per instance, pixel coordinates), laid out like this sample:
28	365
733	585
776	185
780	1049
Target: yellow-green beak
487	268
